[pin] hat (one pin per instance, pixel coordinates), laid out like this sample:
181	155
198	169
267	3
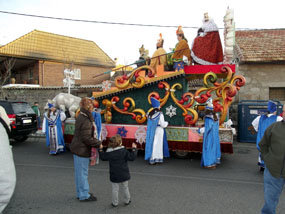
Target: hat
272	107
160	40
179	31
154	102
210	104
50	105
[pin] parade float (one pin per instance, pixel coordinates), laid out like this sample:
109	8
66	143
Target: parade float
182	94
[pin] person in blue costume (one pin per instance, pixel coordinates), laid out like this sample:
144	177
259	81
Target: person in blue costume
211	153
156	147
261	123
52	127
96	113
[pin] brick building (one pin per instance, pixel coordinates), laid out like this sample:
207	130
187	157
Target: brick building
41	58
262	63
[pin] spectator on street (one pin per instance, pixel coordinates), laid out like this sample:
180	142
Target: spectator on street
82	142
272	149
7	167
118	158
36	109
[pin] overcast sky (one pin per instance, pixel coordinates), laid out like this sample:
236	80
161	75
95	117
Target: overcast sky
123	42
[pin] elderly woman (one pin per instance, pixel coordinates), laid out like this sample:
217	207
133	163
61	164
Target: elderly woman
80	146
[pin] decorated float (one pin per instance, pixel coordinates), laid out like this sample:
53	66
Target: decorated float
182	94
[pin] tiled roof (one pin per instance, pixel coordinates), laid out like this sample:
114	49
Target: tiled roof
261	45
48	46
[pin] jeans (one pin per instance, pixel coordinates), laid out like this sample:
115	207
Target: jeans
115	192
81	165
272	191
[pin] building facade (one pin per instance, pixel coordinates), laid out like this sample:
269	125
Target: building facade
41	58
261	56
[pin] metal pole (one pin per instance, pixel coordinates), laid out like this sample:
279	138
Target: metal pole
68	82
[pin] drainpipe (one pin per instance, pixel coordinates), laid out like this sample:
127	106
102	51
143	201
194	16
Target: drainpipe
43	71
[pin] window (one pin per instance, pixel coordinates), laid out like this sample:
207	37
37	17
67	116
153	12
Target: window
77	74
31	73
277	94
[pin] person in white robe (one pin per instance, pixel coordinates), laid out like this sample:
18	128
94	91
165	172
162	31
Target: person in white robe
156	142
261	123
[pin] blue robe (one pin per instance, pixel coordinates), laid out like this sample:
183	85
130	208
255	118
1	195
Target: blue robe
98	123
211	154
152	124
264	123
54	127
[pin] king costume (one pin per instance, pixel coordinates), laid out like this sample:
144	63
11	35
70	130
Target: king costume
156	147
261	123
207	47
181	50
52	127
159	56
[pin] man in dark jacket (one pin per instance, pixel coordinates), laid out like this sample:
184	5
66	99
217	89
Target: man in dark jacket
82	142
272	148
118	158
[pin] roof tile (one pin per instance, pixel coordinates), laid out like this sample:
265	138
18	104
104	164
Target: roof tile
261	45
43	45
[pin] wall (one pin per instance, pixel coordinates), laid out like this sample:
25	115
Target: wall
51	74
41	95
259	77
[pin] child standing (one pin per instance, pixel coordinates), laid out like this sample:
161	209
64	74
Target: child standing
118	158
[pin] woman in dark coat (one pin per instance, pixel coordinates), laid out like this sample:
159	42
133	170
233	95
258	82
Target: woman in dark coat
80	146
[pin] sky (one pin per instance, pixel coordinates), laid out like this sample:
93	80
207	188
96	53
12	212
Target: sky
123	42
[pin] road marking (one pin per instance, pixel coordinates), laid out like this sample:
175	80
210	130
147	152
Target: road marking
230	180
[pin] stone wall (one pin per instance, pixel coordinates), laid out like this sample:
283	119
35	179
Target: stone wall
42	94
259	78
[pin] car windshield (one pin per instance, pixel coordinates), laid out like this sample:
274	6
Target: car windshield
22	108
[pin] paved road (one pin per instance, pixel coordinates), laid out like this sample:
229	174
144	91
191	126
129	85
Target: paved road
45	184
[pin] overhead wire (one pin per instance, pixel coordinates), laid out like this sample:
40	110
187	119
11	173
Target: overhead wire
103	22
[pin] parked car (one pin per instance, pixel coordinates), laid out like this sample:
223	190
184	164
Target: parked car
23	120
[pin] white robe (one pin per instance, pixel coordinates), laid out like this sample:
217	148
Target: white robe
157	149
255	122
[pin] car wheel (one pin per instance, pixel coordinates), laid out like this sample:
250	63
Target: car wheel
21	138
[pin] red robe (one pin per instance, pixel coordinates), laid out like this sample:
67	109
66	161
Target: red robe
208	49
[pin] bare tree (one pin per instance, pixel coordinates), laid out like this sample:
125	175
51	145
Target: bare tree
5	72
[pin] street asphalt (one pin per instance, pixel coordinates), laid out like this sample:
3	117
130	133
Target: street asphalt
45	184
